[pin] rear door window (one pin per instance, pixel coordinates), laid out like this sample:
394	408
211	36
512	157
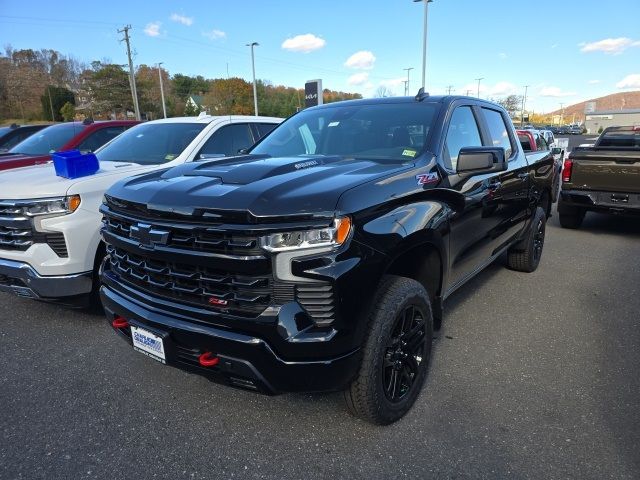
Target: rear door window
498	131
463	132
226	141
98	138
265	128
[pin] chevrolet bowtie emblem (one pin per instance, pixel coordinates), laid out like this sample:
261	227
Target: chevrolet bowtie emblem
147	236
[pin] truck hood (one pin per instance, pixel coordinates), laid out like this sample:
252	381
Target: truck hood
9	160
261	186
40	181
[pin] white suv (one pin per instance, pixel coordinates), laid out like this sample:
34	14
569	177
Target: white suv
50	246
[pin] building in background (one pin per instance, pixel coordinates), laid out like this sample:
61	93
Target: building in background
598	120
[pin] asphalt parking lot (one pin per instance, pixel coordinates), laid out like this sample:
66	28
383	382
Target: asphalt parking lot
533	376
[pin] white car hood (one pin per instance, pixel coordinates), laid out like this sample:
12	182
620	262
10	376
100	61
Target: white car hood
41	181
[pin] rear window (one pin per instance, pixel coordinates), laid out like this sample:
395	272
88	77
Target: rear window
150	143
48	140
620	138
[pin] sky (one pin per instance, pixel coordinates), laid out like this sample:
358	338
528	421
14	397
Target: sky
565	51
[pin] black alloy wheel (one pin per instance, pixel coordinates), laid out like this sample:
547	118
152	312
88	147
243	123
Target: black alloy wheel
404	354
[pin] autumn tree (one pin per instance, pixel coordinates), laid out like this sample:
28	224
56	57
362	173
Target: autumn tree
68	111
512	104
53	99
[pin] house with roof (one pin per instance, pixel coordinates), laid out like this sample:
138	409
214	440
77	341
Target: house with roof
194	104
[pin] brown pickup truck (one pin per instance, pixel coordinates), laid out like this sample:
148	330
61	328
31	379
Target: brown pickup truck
604	178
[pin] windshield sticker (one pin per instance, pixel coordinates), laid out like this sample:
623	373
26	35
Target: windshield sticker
171	156
333	124
428	178
409	153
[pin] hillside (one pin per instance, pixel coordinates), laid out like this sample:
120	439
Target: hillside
615	101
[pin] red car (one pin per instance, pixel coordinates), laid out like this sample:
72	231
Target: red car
84	136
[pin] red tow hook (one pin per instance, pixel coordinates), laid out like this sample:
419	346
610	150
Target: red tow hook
208	359
119	322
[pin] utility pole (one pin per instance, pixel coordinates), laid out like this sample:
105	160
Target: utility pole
253	68
164	107
468	93
524	102
479	79
132	78
449	88
53	118
407	88
561	114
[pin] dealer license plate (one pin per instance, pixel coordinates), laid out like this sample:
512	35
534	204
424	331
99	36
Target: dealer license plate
148	343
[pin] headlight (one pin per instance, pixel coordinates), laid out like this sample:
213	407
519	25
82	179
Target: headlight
50	206
334	235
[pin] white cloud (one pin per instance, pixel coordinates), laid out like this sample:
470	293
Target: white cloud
363	59
502	55
394	82
214	34
304	43
503	89
176	17
153	29
358	79
610	46
630	81
555	92
555	45
593	82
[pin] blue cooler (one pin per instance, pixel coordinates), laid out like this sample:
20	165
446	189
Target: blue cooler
74	164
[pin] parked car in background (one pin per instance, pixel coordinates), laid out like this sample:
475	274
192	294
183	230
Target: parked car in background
548	137
321	260
86	136
602	178
14	134
563	130
49	226
536	149
575	130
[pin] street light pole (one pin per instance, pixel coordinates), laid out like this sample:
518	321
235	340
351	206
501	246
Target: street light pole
561	114
164	107
424	40
479	79
524	102
407	88
253	68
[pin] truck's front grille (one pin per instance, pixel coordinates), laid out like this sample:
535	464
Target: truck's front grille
243	295
17	232
200	238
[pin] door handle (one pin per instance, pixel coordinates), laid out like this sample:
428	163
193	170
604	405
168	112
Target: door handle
494	185
523	176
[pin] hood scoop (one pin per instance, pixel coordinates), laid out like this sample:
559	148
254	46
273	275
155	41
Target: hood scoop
244	173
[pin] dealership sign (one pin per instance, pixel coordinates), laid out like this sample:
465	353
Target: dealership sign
313	93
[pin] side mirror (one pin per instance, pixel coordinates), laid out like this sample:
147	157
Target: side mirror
478	160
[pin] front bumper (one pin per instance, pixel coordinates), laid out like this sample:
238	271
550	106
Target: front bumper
21	279
246	360
598	201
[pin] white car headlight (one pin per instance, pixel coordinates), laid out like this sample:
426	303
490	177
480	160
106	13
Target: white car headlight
50	206
334	235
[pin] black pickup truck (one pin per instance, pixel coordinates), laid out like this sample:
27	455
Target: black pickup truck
604	178
320	260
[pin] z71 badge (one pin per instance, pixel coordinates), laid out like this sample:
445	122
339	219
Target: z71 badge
428	178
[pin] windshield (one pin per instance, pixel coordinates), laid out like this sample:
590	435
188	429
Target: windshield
389	132
150	143
4	130
48	140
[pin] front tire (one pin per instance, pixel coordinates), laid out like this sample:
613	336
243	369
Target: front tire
525	257
396	353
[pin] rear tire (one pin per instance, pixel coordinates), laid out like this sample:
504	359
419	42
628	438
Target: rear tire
525	257
572	219
396	352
